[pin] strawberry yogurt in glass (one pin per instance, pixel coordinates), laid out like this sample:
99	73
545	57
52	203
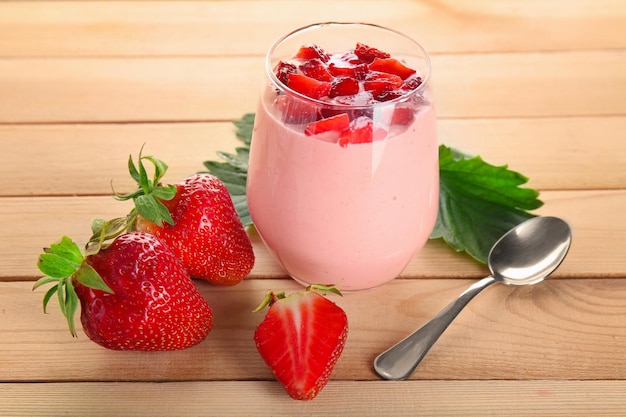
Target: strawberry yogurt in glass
343	177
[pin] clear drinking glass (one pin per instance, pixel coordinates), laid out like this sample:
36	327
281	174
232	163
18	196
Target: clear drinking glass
333	212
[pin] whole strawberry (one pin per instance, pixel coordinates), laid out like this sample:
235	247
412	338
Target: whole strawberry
197	219
134	294
301	338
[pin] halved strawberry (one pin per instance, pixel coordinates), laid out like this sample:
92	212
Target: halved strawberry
391	66
312	51
315	68
301	338
344	86
337	123
308	86
367	54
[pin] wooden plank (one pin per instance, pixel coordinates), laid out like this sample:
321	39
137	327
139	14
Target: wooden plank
57	90
595	216
87	157
346	398
562	329
63	28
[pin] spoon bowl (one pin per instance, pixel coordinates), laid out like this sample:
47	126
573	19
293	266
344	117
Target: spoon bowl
525	255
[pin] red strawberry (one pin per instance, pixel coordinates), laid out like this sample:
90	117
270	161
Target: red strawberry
344	87
337	123
312	51
196	218
362	130
339	69
391	66
368	54
380	82
301	338
315	68
308	86
283	69
134	295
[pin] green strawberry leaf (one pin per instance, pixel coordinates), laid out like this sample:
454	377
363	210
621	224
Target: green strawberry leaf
478	202
233	171
150	192
62	263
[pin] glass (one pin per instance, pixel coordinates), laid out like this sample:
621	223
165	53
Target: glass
330	210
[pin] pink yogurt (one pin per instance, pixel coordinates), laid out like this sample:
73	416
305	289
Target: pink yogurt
352	216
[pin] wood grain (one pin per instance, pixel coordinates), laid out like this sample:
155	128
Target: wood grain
505	332
87	158
596	251
143	89
349	398
200	28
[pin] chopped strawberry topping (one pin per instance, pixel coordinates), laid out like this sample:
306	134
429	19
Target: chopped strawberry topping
308	86
380	82
362	130
341	69
368	54
357	78
337	123
312	51
344	87
315	68
391	66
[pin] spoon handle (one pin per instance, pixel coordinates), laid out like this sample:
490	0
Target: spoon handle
399	361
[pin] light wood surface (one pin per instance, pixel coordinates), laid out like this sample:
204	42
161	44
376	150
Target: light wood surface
537	85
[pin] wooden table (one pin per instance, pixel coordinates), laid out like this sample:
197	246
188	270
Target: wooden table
538	85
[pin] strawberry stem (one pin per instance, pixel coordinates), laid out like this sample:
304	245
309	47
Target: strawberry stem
150	193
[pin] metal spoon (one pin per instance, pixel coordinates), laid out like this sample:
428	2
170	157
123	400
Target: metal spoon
525	255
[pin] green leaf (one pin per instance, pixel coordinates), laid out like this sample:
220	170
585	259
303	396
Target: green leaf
165	193
479	202
49	294
153	210
71	306
67	250
55	266
233	171
244	128
88	276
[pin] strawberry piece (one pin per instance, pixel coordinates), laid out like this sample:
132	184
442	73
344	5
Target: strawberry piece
337	123
412	83
295	111
312	51
344	87
283	69
362	130
391	66
368	54
134	295
301	339
339	69
207	234
315	68
308	86
402	116
380	82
